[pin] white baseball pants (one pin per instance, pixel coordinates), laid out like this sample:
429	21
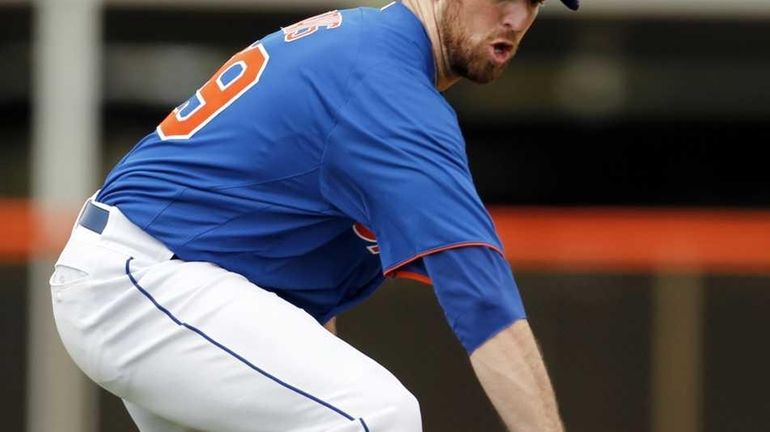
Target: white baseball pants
189	346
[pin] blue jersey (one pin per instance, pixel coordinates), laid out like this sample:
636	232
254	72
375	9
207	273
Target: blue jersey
316	162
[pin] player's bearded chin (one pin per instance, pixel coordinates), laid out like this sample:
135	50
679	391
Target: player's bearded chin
467	53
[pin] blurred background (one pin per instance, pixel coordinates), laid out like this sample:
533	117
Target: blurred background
620	155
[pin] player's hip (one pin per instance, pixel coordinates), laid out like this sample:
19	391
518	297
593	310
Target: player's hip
101	228
90	287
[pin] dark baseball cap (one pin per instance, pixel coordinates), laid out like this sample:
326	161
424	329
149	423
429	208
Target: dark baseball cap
572	4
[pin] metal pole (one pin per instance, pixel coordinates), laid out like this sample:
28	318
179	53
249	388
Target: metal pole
67	38
676	345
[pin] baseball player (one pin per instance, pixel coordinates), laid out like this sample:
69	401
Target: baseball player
315	163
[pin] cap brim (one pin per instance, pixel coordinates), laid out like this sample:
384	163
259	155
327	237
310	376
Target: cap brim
572	4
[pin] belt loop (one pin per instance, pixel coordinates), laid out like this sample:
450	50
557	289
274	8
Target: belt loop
94	218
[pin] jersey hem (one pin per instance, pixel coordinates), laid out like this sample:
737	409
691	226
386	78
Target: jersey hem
413	276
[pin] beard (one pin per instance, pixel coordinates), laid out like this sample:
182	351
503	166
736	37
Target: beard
467	56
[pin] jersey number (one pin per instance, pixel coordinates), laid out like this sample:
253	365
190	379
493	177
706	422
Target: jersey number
231	81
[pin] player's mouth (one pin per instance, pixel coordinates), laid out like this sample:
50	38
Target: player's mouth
502	51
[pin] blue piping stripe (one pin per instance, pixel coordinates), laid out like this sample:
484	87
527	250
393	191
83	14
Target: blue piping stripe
231	352
366	429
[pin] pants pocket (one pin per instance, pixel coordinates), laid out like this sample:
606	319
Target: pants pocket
64	276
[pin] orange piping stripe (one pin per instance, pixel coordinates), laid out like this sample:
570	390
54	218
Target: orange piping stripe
439	249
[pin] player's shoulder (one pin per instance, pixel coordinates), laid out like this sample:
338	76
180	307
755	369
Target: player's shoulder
358	39
397	39
395	82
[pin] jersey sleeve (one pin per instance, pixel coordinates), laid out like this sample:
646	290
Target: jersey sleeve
477	292
396	163
475	288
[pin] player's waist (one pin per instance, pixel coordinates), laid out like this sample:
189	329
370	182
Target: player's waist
107	226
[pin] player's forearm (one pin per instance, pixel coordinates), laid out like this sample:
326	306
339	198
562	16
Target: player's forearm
512	373
331	325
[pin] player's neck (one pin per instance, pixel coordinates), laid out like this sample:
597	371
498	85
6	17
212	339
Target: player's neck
428	11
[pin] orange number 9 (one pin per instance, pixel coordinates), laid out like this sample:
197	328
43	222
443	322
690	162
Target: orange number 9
231	81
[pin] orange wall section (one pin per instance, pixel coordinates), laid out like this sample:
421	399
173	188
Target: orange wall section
535	238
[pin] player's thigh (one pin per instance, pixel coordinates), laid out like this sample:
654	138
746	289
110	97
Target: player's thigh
210	350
